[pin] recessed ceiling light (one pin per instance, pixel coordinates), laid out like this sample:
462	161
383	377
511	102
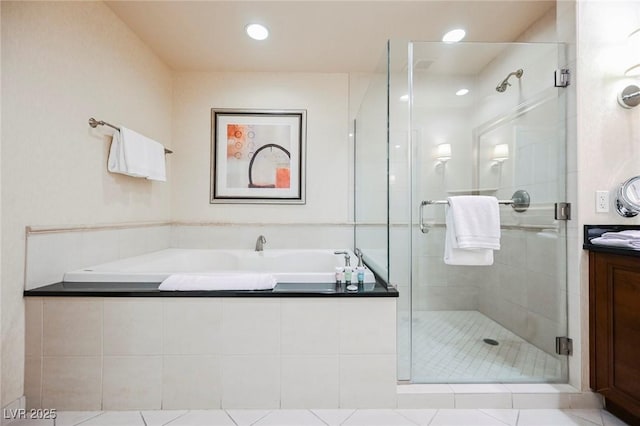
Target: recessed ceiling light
257	31
454	36
462	92
404	98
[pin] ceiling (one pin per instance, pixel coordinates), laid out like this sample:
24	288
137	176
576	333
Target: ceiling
311	36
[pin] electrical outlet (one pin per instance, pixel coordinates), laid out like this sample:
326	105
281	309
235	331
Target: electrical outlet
602	201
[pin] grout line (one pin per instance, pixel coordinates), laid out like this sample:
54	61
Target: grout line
268	412
232	419
180	416
91	418
319	418
495	418
434	417
349	416
395	410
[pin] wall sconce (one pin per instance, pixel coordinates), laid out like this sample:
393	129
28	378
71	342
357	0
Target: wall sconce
500	153
443	153
630	95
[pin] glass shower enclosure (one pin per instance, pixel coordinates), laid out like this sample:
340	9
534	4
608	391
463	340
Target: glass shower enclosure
442	120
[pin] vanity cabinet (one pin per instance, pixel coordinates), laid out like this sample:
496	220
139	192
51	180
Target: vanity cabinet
614	331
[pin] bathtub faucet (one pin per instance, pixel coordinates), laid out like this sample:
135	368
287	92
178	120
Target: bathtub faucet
358	253
260	242
347	258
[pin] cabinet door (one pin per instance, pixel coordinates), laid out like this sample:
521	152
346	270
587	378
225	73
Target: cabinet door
615	329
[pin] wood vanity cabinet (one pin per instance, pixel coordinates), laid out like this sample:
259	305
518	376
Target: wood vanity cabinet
614	331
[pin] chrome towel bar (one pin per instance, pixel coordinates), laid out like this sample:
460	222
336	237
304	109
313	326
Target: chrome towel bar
95	123
520	201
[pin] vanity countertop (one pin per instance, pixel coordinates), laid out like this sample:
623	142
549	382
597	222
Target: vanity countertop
593	231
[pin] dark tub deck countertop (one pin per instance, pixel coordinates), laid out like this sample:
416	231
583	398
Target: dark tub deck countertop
77	289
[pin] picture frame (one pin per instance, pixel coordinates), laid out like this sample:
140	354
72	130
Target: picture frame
258	156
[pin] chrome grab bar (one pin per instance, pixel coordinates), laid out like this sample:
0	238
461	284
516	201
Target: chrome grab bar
520	201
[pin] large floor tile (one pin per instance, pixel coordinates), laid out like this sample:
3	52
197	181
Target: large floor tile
508	417
72	418
377	418
334	417
550	418
204	418
418	416
464	418
594	416
161	417
247	417
116	418
290	418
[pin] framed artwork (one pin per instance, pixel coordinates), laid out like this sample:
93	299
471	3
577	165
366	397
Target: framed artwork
258	156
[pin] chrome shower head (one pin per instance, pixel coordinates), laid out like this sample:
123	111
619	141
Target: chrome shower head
503	86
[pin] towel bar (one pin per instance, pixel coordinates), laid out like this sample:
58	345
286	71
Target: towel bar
95	123
519	201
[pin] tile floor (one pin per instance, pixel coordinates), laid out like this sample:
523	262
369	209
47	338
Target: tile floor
448	347
331	417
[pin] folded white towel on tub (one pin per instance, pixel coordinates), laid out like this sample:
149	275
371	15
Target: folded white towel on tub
218	281
473	230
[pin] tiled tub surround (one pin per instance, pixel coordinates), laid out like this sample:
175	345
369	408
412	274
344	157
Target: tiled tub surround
53	251
105	353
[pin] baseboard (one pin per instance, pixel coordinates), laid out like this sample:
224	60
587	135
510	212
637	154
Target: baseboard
497	396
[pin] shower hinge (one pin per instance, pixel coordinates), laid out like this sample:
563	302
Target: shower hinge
564	346
562	77
563	211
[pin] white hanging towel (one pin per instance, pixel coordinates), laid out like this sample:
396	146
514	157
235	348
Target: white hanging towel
473	230
136	155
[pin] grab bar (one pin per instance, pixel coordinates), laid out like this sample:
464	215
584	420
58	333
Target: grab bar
95	123
520	201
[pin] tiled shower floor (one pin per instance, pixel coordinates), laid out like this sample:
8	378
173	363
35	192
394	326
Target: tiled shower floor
448	347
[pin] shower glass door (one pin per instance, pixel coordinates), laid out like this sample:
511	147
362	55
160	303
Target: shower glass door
498	323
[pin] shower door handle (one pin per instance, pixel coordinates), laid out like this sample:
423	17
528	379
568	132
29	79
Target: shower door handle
423	228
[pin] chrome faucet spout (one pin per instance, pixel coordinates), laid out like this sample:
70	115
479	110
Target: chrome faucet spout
347	258
260	242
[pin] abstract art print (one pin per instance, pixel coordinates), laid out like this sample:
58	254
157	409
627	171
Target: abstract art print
258	156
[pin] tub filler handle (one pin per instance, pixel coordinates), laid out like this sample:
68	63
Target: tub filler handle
260	242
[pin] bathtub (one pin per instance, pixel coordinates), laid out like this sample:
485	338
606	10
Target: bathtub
288	266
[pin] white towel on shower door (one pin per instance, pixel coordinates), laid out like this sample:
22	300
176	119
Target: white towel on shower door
473	230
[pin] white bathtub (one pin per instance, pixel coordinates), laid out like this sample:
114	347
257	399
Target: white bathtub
288	266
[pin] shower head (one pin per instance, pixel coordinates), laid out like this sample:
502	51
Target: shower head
503	86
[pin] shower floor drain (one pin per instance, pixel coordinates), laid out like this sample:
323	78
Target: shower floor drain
491	342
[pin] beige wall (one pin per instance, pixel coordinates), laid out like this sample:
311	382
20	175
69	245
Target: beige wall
608	139
64	62
326	99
